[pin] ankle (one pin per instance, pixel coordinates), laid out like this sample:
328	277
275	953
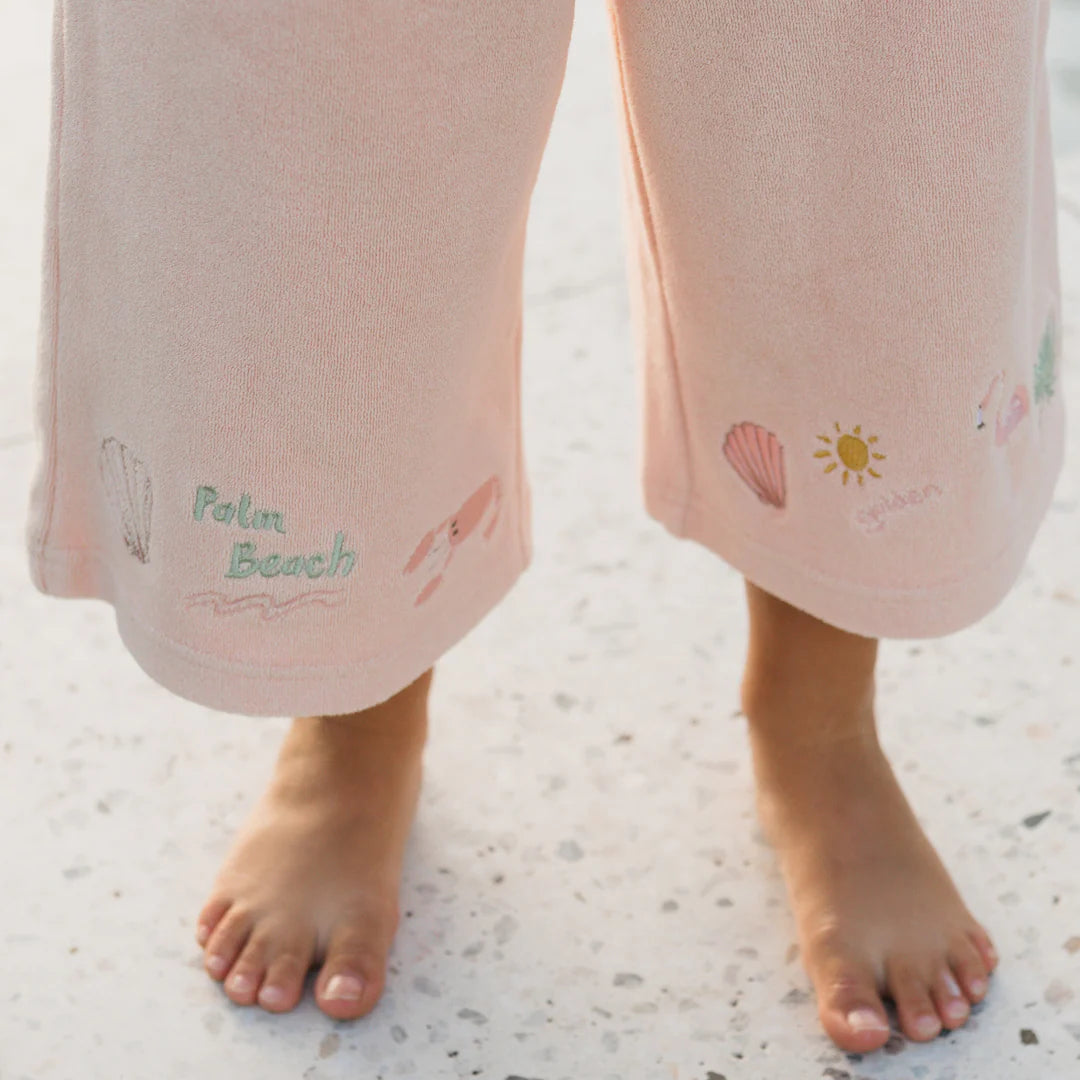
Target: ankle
797	714
774	685
801	672
399	723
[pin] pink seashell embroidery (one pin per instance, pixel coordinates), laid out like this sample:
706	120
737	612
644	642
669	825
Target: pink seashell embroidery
757	456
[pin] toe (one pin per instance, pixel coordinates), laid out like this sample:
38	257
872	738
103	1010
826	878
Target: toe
850	1007
950	1001
284	981
918	1015
228	938
981	940
352	978
209	917
970	970
246	974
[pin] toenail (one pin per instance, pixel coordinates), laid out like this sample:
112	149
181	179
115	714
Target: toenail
240	984
865	1020
927	1025
217	964
951	984
977	986
344	988
272	995
202	934
957	1010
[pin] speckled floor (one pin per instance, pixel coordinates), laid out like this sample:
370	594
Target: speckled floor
586	892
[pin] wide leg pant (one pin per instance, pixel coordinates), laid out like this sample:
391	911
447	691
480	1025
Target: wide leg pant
281	316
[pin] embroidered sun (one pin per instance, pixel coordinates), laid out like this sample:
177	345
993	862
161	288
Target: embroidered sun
851	451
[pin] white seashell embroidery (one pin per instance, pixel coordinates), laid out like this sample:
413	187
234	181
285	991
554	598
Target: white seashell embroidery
127	485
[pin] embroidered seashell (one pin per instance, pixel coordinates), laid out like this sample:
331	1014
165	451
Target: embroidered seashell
127	485
757	456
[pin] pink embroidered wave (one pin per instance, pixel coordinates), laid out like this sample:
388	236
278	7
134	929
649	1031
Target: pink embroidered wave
264	603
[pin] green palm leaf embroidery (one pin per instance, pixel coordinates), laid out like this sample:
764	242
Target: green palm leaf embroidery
1045	365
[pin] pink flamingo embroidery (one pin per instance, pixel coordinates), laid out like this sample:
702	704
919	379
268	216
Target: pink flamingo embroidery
435	551
1008	415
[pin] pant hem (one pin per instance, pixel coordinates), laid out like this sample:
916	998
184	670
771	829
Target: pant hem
269	690
877	611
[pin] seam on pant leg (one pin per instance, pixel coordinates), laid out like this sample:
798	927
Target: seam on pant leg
647	224
521	480
41	535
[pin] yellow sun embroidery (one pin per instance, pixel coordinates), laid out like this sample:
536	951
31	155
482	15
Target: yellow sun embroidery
854	452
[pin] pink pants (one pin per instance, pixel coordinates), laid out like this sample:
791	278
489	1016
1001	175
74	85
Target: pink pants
281	327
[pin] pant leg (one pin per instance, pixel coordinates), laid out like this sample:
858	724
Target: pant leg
281	323
846	276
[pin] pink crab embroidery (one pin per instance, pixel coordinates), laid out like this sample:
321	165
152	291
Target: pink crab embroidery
435	551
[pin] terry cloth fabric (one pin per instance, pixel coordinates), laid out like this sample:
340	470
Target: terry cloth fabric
281	316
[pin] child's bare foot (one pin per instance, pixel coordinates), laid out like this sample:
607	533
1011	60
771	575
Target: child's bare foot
314	874
877	912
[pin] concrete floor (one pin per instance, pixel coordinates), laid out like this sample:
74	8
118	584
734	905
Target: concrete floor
586	892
